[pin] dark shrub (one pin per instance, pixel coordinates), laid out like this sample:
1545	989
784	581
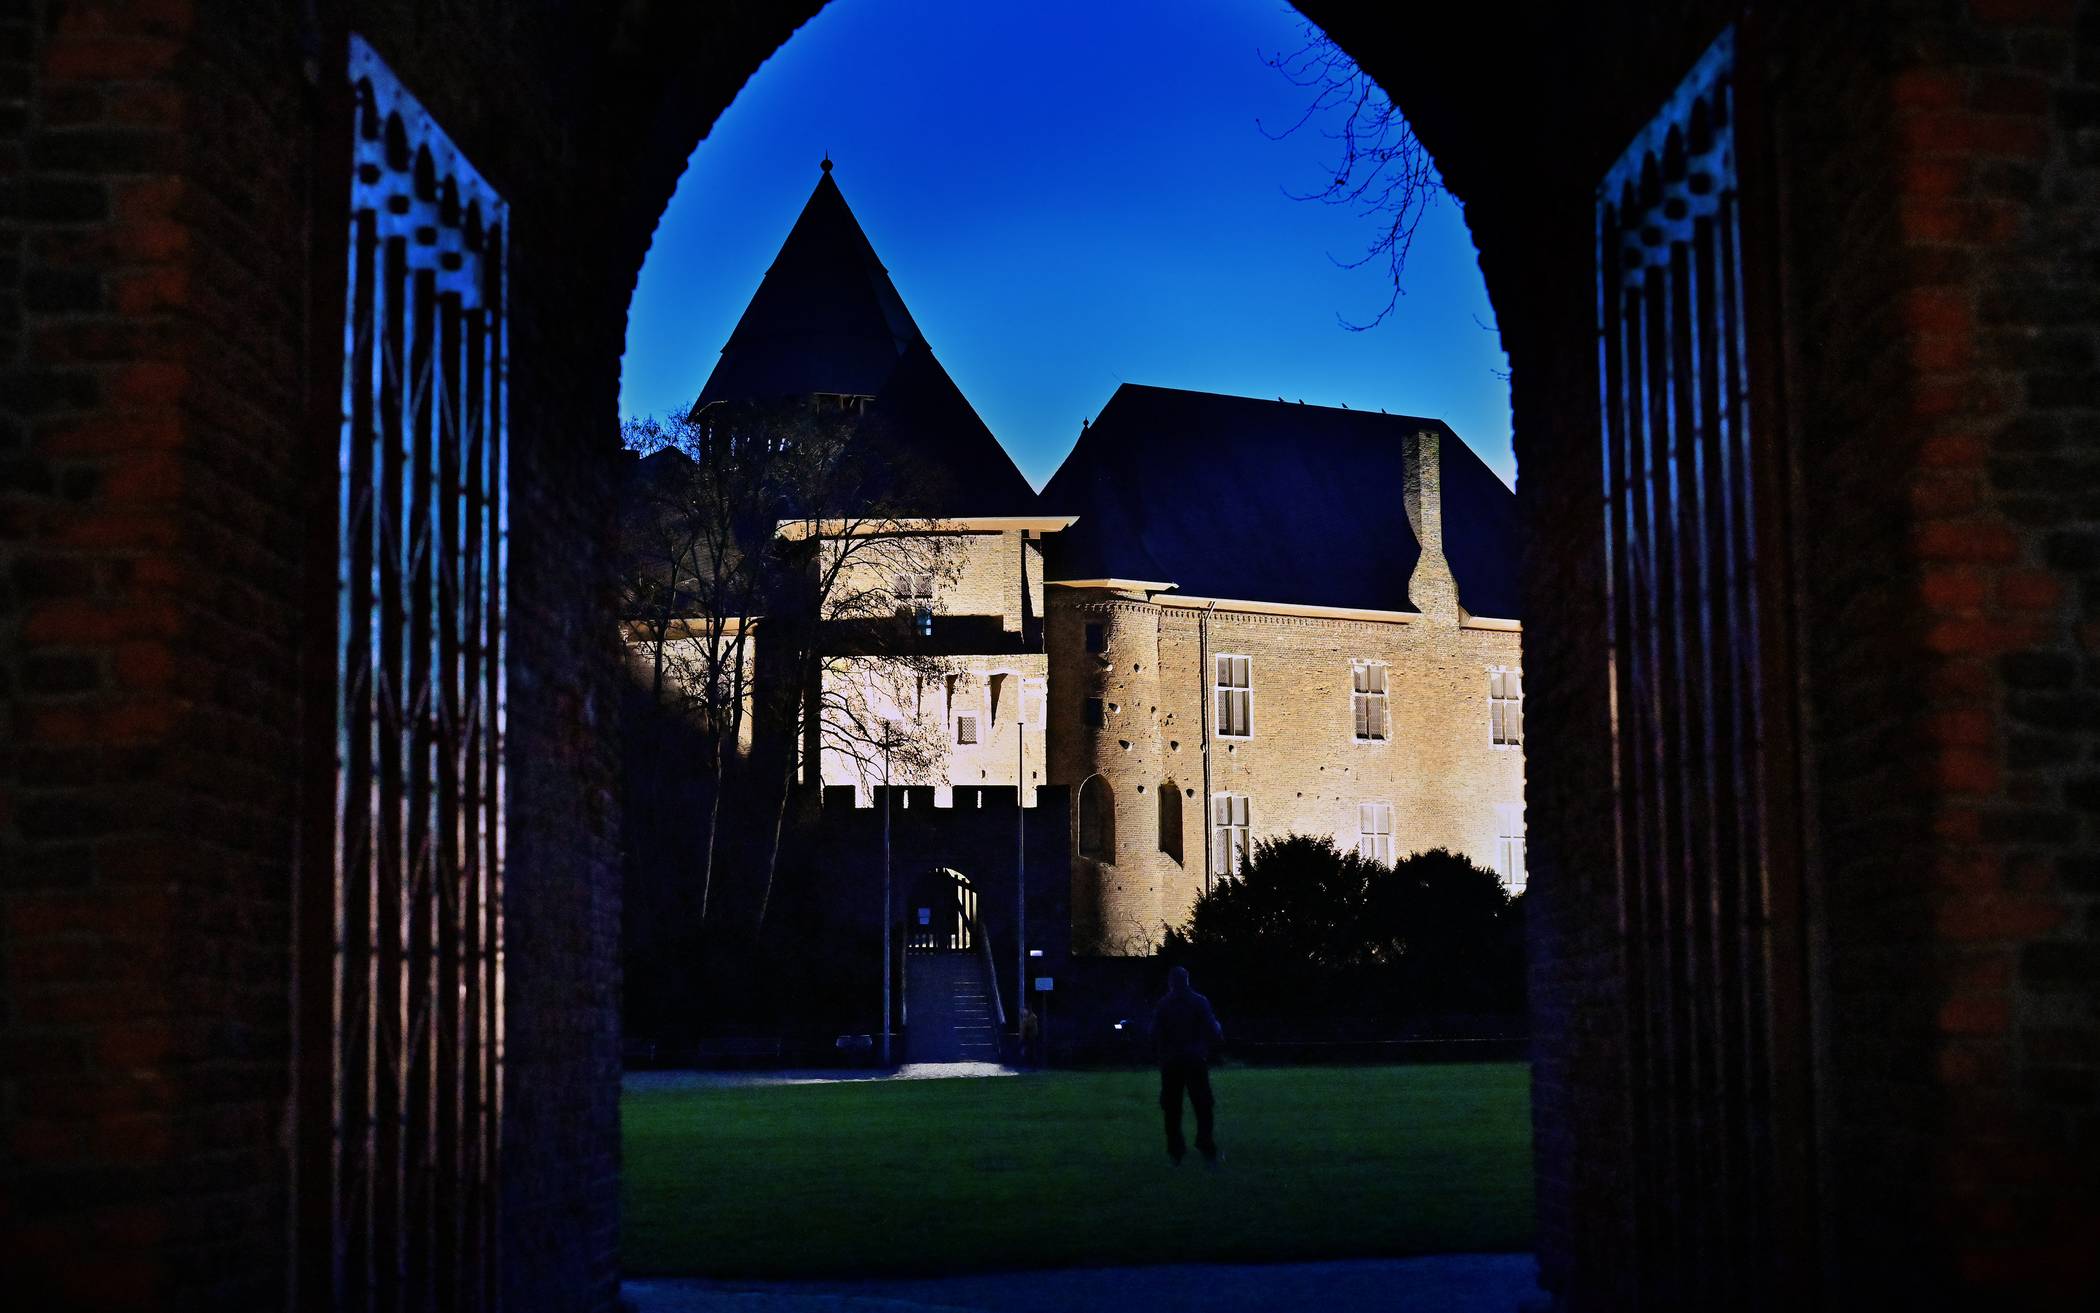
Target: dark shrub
1311	938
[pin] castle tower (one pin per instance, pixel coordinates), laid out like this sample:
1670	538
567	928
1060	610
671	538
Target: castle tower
1105	743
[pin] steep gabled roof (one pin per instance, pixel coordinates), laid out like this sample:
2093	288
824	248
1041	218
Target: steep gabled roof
825	319
1271	501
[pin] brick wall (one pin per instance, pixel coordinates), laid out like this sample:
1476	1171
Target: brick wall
980	585
151	550
1988	216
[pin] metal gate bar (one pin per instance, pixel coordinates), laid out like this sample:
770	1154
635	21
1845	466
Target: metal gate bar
1688	702
422	523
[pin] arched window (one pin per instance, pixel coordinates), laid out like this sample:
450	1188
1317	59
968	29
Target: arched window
1097	820
1170	819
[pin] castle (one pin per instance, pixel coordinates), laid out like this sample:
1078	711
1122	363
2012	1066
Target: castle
1222	620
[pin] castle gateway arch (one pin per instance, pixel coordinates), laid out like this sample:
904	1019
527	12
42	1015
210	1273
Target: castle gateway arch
1800	331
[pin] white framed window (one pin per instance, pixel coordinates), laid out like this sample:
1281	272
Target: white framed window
1367	701
966	729
1229	833
1505	707
1032	699
1509	844
1235	696
1374	832
914	589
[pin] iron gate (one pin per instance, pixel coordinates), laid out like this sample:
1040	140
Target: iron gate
416	1043
1706	875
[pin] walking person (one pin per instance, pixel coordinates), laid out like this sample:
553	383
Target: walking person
1183	1030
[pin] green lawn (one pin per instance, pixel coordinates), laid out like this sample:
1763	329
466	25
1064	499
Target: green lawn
1069	1168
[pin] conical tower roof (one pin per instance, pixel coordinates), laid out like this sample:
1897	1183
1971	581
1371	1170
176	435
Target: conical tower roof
825	319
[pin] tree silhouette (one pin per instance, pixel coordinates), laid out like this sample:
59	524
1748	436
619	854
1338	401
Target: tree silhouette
1310	932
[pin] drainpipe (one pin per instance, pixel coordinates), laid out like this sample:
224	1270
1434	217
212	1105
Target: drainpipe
888	926
1203	710
1021	801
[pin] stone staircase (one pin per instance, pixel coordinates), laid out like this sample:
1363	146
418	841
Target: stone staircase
948	1011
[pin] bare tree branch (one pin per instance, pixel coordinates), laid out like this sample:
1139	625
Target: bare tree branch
1381	169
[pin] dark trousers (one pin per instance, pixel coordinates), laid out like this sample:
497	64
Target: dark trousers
1192	1076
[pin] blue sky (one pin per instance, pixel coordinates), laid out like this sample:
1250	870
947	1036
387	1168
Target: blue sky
1067	196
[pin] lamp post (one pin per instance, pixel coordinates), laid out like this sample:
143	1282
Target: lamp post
1020	855
888	728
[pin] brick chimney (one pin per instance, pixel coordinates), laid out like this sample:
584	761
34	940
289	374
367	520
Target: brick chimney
1431	587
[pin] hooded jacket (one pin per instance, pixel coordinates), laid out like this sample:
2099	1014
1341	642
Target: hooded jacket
1183	1026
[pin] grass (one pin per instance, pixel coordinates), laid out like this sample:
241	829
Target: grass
1069	1168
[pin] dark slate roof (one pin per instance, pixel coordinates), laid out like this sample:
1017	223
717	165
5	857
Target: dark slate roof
1271	501
936	431
825	318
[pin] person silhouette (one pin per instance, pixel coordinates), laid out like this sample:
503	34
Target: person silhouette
1183	1029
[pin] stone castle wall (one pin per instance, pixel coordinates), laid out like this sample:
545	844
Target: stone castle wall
978	832
1302	769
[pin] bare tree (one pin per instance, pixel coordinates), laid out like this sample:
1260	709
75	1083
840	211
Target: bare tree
875	715
1381	168
788	526
868	562
698	548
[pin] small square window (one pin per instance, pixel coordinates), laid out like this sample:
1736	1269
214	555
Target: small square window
1090	713
1096	637
966	729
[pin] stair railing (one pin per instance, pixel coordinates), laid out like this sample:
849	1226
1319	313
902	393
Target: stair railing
991	971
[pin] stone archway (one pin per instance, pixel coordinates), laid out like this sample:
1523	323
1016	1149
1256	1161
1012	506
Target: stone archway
171	382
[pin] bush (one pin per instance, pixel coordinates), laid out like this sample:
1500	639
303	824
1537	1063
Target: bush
1319	937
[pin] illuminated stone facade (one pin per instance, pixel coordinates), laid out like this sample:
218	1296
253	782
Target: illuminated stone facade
1377	728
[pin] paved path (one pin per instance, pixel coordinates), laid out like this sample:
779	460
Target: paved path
637	1081
1441	1283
